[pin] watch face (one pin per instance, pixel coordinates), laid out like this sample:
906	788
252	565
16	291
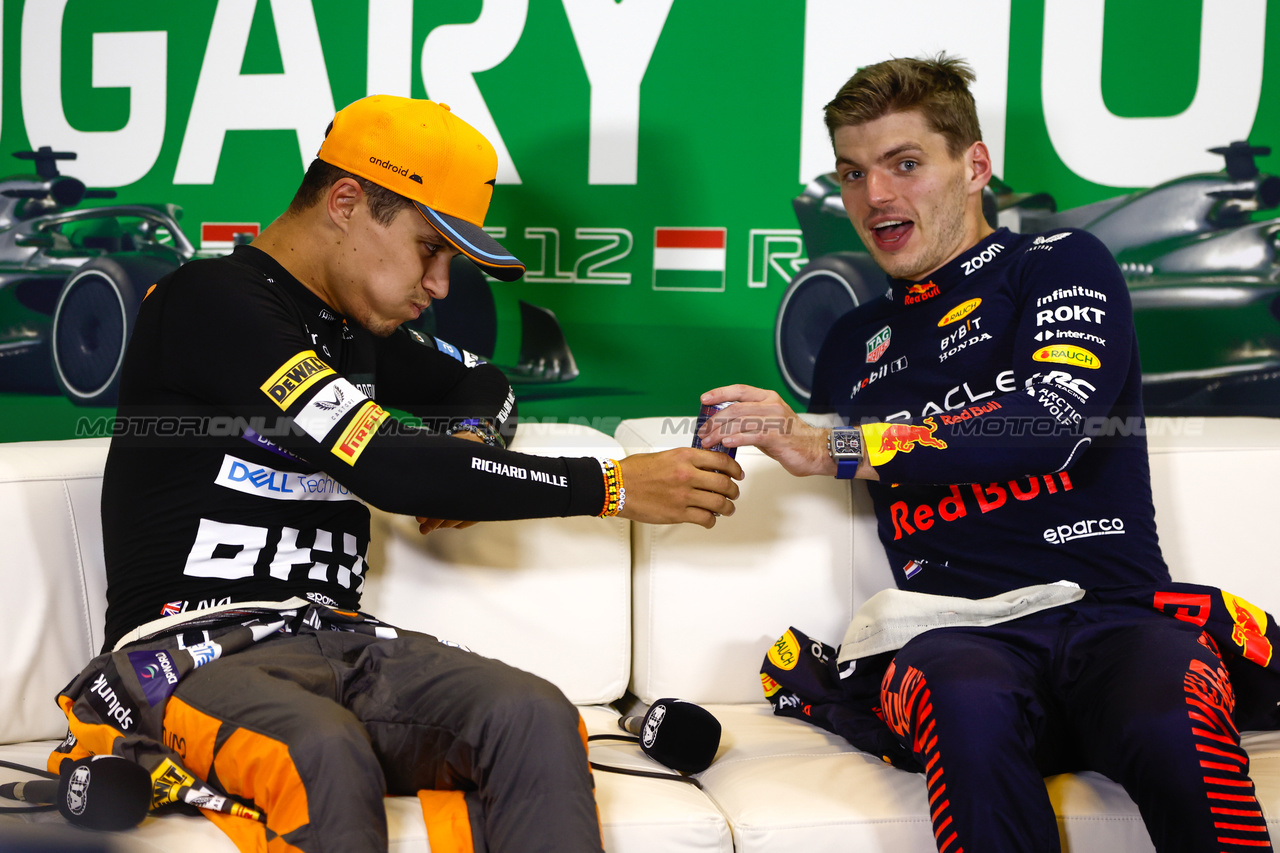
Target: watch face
845	443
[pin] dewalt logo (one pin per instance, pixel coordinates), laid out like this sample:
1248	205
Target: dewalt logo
295	376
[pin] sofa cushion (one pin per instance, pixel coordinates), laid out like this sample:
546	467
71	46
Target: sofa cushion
53	578
786	785
551	596
1211	480
709	602
637	815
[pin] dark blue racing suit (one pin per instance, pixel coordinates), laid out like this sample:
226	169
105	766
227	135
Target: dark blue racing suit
1002	399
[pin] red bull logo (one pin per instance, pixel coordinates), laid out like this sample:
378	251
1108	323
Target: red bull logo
906	436
884	441
920	292
1250	631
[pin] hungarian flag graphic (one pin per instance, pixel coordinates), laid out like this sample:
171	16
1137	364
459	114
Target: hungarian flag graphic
688	258
220	236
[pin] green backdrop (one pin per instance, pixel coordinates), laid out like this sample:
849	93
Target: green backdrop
696	123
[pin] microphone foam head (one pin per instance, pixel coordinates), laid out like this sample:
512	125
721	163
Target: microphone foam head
681	735
104	792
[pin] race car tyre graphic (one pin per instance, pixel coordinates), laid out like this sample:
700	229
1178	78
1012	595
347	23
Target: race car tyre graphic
92	322
824	290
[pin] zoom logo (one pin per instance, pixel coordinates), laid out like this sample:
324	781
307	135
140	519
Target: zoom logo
1083	529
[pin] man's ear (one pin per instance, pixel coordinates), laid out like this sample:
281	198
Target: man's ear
342	200
978	161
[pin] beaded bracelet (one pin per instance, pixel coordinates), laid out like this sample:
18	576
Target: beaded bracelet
615	495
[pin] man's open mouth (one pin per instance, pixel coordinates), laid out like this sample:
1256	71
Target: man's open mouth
892	232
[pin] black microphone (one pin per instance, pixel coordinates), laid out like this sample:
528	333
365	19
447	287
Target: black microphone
98	792
681	735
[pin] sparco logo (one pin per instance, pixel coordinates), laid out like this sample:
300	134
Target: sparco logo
651	724
393	167
1083	529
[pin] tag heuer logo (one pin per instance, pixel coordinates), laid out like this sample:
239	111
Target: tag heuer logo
877	344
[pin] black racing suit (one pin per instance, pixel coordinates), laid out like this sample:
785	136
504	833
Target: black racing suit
247	443
1003	404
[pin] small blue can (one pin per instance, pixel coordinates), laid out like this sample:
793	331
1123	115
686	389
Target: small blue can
706	412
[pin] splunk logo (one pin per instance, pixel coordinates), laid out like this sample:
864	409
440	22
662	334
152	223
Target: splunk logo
1083	529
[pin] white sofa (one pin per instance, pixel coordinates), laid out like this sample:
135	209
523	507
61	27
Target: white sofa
602	608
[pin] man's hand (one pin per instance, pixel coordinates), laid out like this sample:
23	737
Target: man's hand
426	525
760	418
679	485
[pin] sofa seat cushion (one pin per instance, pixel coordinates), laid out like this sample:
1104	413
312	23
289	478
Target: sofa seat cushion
784	784
637	815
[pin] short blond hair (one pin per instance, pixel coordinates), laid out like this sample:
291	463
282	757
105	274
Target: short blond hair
938	87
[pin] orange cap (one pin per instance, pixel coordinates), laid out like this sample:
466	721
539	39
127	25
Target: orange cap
422	151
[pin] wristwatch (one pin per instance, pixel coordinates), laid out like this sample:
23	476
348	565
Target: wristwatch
845	446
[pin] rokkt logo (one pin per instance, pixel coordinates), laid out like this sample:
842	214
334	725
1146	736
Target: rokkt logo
656	715
1068	314
78	789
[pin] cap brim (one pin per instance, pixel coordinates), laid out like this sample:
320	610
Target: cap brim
475	243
